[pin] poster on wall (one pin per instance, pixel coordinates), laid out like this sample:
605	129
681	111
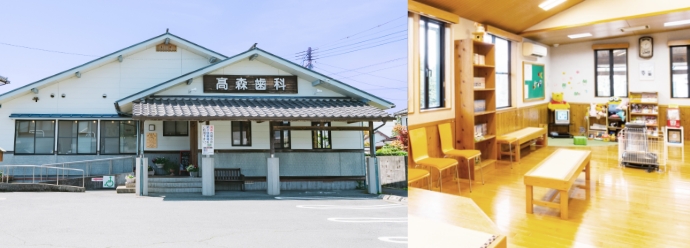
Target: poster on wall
533	80
207	140
151	140
647	71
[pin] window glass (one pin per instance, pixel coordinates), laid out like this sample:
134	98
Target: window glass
110	137
175	128
241	133
34	137
77	137
281	139
321	139
502	66
431	48
679	72
128	137
612	72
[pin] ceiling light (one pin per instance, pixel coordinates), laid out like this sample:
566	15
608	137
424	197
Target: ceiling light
575	36
676	23
550	4
628	29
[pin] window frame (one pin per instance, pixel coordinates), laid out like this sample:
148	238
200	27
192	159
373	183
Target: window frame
282	135
611	73
687	70
509	73
102	144
16	126
249	131
77	137
315	135
175	133
425	61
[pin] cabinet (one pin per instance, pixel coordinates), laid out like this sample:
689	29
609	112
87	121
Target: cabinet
475	86
644	108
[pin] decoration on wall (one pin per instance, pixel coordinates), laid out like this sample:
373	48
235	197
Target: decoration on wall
646	71
533	81
646	47
151	140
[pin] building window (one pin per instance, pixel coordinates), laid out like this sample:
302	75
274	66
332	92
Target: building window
34	137
502	66
612	72
281	138
321	139
175	128
77	137
431	55
118	137
679	72
241	133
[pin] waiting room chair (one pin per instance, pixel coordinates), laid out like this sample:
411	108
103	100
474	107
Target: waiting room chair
414	175
449	151
420	155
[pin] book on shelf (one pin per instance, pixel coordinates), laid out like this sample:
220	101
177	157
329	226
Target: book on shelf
479	83
479	105
480	129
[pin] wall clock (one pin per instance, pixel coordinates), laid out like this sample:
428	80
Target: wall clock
646	47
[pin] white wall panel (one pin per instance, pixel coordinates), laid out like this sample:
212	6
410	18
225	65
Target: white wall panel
166	143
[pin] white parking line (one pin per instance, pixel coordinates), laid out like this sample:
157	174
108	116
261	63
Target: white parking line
321	198
350	206
369	220
397	240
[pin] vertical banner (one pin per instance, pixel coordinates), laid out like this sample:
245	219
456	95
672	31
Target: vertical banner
207	140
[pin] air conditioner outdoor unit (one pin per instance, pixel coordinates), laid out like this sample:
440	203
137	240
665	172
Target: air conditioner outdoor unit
530	49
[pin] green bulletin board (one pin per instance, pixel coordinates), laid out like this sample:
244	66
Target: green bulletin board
534	87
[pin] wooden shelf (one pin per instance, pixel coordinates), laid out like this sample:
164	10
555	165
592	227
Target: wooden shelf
649	114
615	128
484	89
484	112
486	137
483	66
484	163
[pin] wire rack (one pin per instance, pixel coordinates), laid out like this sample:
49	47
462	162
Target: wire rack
640	148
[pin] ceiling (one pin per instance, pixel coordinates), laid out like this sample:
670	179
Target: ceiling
610	28
511	16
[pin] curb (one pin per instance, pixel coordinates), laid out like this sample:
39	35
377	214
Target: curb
394	199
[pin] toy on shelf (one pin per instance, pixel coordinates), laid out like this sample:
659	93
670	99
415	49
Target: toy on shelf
557	101
673	116
601	111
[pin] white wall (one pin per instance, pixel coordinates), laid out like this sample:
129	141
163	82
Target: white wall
247	67
166	143
85	95
299	139
575	62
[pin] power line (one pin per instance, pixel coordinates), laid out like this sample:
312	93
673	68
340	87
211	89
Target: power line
365	73
366	66
45	50
360	37
360	45
377	26
378	70
389	34
370	84
361	49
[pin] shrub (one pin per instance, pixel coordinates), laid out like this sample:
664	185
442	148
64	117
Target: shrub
390	150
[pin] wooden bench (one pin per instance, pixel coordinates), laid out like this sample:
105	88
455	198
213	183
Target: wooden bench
229	175
558	171
520	137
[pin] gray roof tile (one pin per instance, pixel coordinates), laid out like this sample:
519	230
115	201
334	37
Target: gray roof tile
257	108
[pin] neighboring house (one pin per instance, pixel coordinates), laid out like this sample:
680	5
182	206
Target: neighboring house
152	99
380	138
401	116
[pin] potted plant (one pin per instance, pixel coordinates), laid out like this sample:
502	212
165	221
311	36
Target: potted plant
150	171
171	167
129	178
193	170
159	162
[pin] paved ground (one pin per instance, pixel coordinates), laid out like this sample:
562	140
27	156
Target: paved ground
229	219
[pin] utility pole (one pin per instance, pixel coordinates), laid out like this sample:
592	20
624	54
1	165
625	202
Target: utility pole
308	59
4	80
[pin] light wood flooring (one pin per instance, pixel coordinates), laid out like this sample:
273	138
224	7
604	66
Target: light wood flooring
624	207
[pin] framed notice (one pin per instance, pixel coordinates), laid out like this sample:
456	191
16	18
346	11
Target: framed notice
207	140
533	82
260	84
151	140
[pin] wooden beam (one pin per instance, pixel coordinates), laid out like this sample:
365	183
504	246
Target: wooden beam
430	11
297	128
503	34
271	139
678	42
610	46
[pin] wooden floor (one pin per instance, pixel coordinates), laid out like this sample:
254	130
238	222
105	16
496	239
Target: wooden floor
624	207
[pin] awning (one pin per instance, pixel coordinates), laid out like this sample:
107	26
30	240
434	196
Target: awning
257	109
67	116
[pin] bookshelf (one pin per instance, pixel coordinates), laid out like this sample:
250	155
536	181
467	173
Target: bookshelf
475	89
644	108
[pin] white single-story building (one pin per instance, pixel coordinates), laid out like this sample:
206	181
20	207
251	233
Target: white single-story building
151	99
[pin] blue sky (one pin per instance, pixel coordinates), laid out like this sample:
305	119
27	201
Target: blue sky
284	28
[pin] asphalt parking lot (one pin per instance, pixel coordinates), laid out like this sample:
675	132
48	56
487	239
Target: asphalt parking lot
229	219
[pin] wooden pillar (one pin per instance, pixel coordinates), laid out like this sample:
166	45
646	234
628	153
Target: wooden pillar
271	137
194	142
372	144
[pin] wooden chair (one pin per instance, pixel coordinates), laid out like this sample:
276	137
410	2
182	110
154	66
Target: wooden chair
414	175
449	151
420	155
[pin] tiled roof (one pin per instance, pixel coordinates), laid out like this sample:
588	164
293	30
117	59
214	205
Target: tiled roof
69	116
257	108
401	112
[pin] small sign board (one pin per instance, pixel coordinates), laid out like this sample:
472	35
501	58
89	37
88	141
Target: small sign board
96	179
266	84
108	181
207	140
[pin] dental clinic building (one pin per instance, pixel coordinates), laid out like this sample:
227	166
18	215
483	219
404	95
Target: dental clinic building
151	99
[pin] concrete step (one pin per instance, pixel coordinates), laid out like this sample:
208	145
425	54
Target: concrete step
155	179
175	185
174	190
124	190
